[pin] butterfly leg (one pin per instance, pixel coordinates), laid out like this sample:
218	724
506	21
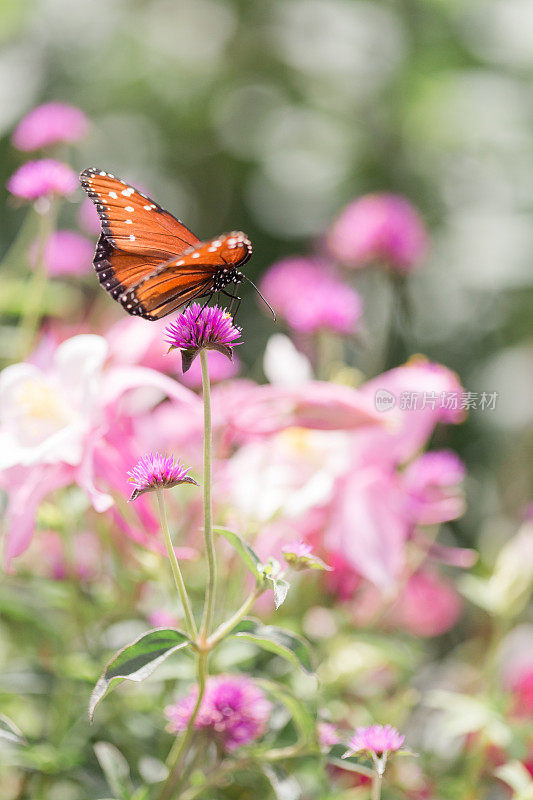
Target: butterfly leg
233	297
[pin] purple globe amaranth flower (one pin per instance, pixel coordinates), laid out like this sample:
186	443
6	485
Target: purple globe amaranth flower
65	253
234	710
157	471
379	227
308	294
49	124
299	555
209	328
42	178
375	739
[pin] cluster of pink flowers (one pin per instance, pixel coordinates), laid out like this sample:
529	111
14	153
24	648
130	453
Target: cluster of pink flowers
234	710
42	178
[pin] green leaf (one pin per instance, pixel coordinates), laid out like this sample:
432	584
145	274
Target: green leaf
304	721
249	557
280	587
115	768
285	786
276	640
138	660
9	732
350	764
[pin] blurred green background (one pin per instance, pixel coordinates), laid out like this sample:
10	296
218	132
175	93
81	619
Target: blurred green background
270	115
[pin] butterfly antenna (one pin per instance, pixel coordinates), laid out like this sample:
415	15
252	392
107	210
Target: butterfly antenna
262	298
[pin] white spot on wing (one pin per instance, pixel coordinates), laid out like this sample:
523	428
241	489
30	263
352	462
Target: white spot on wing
113	195
129	208
132	238
129	222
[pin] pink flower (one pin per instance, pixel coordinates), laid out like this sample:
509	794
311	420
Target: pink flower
65	253
155	471
49	124
376	739
234	710
161	618
429	605
380	227
433	482
220	369
523	694
53	558
209	328
70	420
310	297
42	178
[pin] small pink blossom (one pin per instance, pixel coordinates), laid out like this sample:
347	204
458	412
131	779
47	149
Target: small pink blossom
310	297
380	227
65	253
197	328
233	709
156	471
376	739
49	124
42	178
161	618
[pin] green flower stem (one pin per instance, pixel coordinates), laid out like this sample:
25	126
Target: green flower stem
179	751
176	571
376	786
228	626
209	605
32	311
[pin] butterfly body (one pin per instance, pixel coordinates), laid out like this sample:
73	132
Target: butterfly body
148	260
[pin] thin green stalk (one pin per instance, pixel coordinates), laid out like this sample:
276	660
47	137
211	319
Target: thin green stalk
228	626
376	785
177	754
176	571
209	605
32	312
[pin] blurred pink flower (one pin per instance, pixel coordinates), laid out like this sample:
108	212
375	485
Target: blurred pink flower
42	178
88	218
377	739
522	690
310	297
380	227
78	420
65	253
220	369
433	482
233	709
429	605
161	618
327	735
49	124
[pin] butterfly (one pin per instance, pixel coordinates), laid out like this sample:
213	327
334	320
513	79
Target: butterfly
147	259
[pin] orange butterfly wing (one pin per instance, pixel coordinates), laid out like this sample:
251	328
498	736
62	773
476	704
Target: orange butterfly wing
147	259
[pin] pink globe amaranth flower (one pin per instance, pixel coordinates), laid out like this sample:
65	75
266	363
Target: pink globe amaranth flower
156	471
429	605
233	709
379	227
377	739
197	328
310	297
65	253
42	178
299	555
49	124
